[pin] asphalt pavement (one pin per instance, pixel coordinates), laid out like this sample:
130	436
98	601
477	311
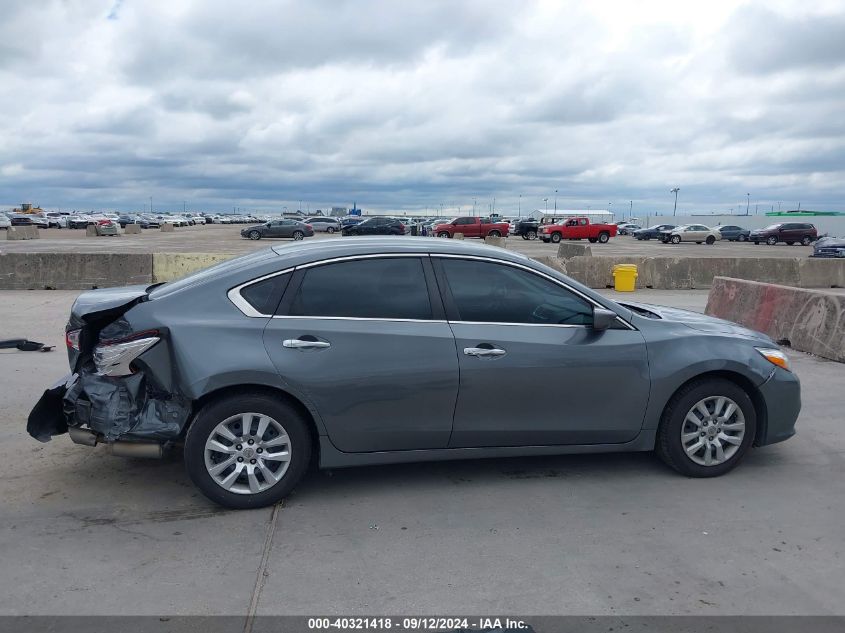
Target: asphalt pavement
83	532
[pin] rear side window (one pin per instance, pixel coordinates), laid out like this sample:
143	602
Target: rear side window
389	288
264	295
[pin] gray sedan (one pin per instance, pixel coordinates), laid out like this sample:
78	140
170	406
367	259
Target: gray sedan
378	350
279	228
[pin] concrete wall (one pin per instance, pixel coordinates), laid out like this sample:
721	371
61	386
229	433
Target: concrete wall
72	271
681	273
810	320
28	232
170	266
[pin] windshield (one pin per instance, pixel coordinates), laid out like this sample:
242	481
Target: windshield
772	227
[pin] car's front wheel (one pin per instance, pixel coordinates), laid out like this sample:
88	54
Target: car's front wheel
443	234
247	451
742	238
676	239
772	241
330	229
555	237
298	235
805	241
710	240
706	428
254	235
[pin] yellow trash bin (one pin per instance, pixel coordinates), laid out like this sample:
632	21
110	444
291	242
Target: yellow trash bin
625	277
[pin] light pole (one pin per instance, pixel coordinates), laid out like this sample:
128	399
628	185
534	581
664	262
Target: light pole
183	207
520	205
747	203
675	191
473	207
631	211
555	201
546	200
151	205
778	206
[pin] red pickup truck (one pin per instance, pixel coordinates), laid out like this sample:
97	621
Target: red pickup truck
472	227
577	229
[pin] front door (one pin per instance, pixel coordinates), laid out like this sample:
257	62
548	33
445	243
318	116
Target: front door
532	369
365	345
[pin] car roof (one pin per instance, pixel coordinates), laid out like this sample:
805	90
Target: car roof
307	251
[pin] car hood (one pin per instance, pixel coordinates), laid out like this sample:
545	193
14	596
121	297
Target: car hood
698	321
250	228
830	242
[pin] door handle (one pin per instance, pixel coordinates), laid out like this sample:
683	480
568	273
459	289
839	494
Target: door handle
484	351
298	343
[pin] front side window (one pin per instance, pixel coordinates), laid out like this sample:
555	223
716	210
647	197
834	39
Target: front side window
388	288
497	293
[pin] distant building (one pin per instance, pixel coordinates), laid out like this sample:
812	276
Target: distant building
338	212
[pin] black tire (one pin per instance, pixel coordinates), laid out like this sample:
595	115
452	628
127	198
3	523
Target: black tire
790	243
805	241
675	239
525	236
603	238
494	234
756	243
669	446
771	241
443	234
710	240
330	229
592	240
254	235
298	235
555	237
698	242
217	411
742	238
532	235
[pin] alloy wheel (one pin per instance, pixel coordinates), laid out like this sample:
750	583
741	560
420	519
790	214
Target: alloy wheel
713	430
247	453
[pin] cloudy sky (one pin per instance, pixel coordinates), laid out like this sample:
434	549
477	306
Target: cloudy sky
410	105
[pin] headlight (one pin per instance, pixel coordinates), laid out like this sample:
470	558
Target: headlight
112	358
775	357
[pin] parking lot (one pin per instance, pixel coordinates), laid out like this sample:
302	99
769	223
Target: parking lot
223	238
83	532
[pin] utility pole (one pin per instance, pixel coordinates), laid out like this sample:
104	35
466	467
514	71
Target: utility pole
151	205
631	211
473	207
555	201
675	191
747	202
183	207
520	205
546	200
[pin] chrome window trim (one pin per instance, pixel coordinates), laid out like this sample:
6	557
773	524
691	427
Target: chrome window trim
242	304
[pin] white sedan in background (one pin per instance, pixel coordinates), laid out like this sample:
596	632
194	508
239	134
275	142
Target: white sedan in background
697	233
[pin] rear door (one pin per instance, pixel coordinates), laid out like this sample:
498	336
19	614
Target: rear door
520	332
366	343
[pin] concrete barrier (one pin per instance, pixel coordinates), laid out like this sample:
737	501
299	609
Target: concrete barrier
167	228
807	320
566	250
682	273
132	229
73	271
501	242
91	230
170	266
29	232
457	236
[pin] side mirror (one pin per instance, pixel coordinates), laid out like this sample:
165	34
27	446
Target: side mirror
603	319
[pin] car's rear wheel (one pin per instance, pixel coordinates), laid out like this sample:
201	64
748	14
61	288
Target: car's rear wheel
706	428
710	240
676	239
298	235
805	241
247	451
771	241
532	235
603	238
330	229
494	234
555	237
254	235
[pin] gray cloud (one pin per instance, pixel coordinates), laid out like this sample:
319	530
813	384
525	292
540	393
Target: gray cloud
413	104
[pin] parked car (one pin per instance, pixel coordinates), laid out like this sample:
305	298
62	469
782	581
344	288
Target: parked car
279	228
350	220
577	229
106	227
527	228
40	221
5	222
652	232
628	229
56	220
789	232
79	221
262	363
123	220
20	219
697	233
734	233
829	247
376	226
322	224
472	227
